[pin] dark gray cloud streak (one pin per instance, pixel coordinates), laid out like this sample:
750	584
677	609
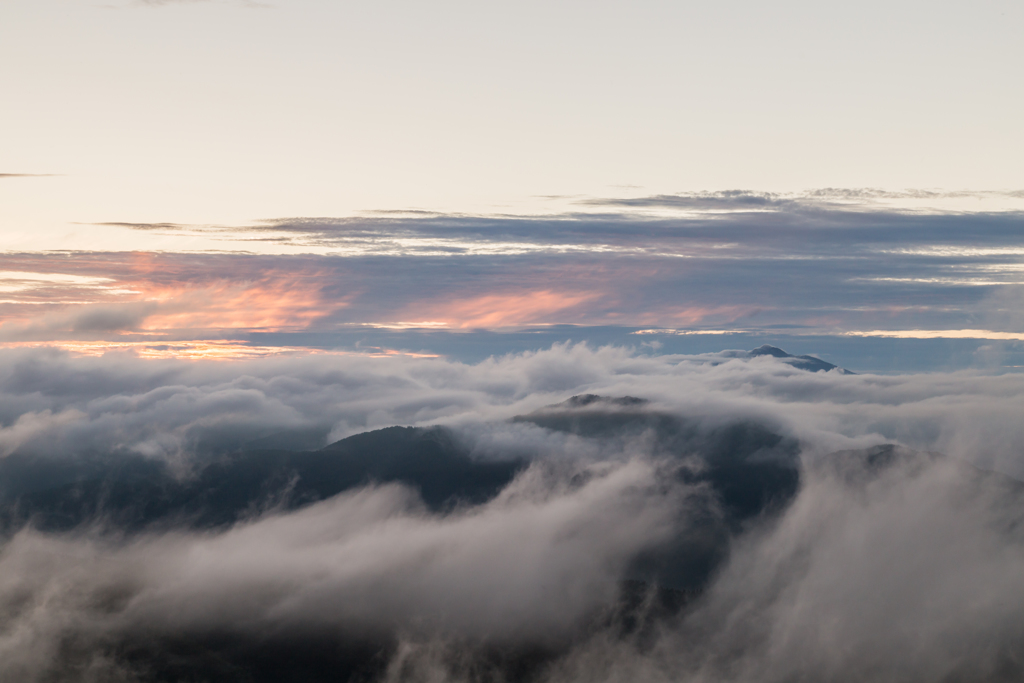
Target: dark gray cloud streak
743	261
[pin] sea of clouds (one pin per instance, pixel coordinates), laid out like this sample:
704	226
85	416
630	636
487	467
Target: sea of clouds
912	573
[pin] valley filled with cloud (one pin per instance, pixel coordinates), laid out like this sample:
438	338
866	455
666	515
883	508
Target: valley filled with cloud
576	513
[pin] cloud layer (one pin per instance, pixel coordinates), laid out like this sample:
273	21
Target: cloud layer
734	262
53	403
889	567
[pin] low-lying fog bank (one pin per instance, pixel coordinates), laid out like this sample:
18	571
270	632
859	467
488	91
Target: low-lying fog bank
573	514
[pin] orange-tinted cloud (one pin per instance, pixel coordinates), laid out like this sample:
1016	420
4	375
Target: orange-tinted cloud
691	315
272	303
488	311
550	306
47	296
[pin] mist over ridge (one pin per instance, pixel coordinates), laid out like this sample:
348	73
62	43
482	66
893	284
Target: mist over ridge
576	513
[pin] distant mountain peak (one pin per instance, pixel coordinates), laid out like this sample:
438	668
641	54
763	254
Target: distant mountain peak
769	350
583	400
809	363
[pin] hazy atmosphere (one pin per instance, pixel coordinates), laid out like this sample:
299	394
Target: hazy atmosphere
532	342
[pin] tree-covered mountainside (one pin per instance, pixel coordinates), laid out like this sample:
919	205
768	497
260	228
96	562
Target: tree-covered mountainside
132	493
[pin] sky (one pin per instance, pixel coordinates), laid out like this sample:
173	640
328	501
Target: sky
457	179
540	238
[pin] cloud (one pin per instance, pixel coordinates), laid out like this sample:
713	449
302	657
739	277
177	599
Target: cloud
80	319
823	272
507	310
939	334
32	426
168	408
913	576
733	200
749	261
883	567
707	220
369	562
148	293
824	199
156	226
